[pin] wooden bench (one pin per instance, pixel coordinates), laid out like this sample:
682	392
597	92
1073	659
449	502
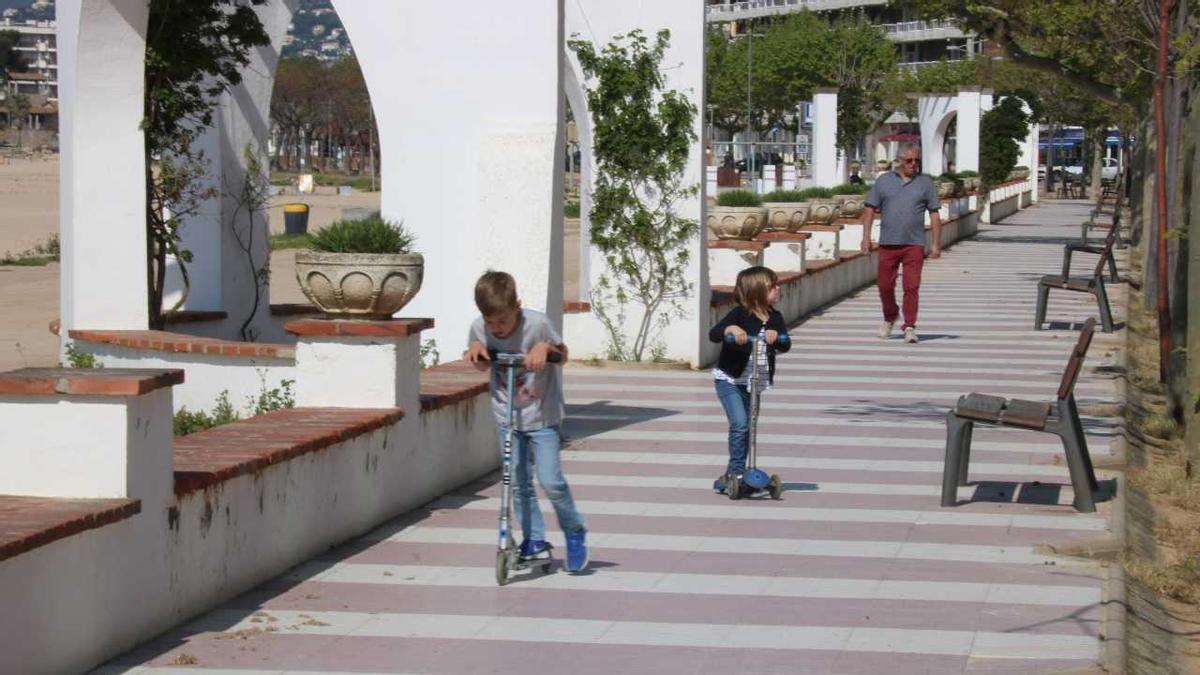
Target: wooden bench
1093	284
1115	215
1105	251
1060	418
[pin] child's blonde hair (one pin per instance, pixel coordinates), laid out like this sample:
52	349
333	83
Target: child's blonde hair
753	288
495	292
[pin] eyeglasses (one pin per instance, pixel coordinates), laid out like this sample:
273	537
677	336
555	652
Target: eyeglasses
909	160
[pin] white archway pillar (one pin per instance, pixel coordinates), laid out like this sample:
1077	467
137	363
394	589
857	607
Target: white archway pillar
970	110
577	99
102	193
683	69
934	113
824	149
468	100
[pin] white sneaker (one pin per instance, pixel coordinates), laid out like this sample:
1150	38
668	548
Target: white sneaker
885	331
910	335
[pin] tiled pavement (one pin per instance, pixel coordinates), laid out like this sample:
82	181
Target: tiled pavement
857	570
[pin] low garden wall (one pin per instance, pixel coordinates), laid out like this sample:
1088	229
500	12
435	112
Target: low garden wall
210	515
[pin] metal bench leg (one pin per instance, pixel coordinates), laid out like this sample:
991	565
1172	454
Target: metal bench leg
1066	268
1083	233
965	462
955	464
1112	267
1102	304
1072	411
1039	316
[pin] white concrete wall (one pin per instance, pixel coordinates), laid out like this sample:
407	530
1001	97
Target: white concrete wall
934	113
683	65
102	189
206	376
471	90
825	170
970	109
357	372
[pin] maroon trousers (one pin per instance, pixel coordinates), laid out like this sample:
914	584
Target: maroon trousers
890	259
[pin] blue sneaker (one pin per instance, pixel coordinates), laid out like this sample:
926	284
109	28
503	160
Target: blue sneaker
534	550
577	553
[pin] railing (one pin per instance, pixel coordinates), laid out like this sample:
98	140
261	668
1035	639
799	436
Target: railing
911	31
749	9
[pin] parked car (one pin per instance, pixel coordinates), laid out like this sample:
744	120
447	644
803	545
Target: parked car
760	160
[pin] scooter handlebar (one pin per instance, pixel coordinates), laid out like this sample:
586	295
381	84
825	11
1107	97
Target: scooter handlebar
781	338
516	359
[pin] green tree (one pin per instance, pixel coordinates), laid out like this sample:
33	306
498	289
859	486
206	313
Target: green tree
642	135
1000	131
194	52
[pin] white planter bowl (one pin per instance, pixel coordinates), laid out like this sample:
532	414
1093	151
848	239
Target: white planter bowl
359	285
736	222
823	210
787	216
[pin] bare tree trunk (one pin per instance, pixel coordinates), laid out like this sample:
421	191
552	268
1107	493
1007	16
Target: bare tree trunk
1160	185
1098	136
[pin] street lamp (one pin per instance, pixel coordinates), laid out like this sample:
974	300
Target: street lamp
749	80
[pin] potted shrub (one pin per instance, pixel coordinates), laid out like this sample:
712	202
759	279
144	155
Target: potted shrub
970	180
947	185
739	214
1020	172
851	196
824	207
787	210
360	269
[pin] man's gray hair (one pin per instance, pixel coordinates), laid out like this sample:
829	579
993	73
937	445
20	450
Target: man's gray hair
909	147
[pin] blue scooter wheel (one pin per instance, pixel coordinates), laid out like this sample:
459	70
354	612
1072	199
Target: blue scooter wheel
757	479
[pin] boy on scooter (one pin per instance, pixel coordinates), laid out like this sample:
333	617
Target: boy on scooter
538	399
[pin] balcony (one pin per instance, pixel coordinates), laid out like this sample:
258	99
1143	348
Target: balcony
918	31
753	9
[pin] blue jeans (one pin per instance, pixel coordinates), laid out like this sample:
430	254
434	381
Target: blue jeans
542	447
735	399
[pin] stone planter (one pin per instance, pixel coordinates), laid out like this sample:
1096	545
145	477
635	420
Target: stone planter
787	216
359	285
945	189
970	183
823	211
852	205
736	222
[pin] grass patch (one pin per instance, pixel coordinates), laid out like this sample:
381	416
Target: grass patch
26	261
1179	581
359	183
1170	479
285	241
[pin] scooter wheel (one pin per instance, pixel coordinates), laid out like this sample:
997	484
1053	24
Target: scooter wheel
546	567
775	486
501	567
734	487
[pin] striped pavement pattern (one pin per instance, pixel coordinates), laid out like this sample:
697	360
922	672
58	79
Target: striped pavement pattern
857	570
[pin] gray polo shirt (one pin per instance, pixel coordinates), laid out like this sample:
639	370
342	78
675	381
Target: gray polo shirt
902	206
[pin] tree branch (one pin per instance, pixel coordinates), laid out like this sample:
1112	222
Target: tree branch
1104	92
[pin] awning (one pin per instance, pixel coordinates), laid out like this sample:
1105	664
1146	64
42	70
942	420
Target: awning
900	138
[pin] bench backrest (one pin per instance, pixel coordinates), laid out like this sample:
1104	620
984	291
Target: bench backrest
1109	240
1075	363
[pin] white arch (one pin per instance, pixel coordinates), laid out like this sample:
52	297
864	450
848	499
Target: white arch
577	99
934	113
102	193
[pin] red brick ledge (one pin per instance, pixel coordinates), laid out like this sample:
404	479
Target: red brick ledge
833	227
27	523
782	236
180	343
83	382
572	307
206	458
738	244
449	383
342	328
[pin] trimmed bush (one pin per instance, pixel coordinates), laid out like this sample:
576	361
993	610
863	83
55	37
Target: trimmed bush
968	174
817	193
780	196
739	198
571	209
851	189
946	177
367	235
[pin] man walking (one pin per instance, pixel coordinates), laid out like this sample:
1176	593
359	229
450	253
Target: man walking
902	198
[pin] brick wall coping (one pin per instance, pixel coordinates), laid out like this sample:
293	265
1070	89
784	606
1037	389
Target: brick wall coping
213	456
738	244
825	228
180	343
27	523
576	307
449	383
782	236
86	382
343	328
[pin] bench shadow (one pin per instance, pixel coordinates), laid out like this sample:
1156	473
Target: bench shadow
1032	492
1076	325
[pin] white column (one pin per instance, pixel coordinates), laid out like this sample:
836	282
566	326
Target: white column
824	144
200	233
358	364
966	151
488	80
102	193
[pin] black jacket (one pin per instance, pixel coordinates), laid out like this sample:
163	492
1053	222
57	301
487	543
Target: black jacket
734	357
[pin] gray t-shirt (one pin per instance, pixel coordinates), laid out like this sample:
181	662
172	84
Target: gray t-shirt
902	206
539	399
